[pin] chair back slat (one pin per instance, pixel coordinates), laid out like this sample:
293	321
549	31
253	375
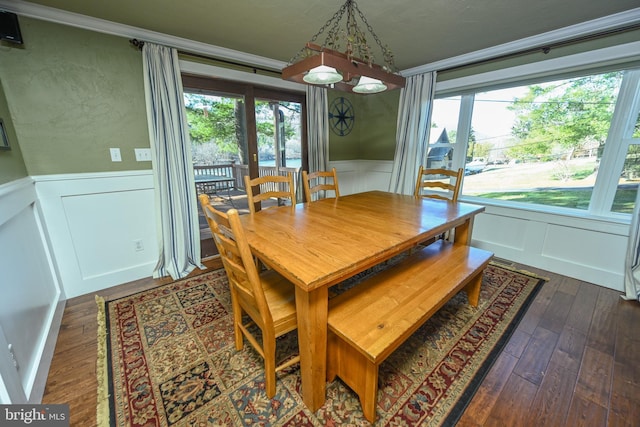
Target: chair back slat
315	182
269	187
443	184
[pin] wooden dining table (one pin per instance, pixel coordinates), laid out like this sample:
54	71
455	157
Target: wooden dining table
319	244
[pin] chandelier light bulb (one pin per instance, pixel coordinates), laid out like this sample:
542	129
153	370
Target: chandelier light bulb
322	75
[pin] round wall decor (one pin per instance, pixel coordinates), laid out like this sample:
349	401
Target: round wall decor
341	116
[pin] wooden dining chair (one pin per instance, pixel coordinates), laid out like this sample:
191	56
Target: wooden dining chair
315	182
266	297
442	184
430	183
270	186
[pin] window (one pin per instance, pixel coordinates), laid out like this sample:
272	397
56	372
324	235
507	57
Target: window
554	143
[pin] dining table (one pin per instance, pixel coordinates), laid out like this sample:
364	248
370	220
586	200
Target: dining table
319	244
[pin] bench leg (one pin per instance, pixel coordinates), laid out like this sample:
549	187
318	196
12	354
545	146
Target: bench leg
369	394
473	289
358	372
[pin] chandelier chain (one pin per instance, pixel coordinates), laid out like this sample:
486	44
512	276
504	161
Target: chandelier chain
335	19
388	56
333	34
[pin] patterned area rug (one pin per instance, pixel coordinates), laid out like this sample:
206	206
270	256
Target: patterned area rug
170	360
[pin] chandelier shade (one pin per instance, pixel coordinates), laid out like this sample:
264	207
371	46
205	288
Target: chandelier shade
369	85
325	66
322	75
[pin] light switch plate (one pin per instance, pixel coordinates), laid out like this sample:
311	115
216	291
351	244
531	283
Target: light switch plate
143	154
115	155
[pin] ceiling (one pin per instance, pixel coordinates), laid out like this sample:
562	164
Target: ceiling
418	32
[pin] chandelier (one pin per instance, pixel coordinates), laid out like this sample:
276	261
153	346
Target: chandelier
352	70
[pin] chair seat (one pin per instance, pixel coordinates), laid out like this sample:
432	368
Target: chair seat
280	295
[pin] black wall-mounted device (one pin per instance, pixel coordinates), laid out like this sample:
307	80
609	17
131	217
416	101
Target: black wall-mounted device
10	27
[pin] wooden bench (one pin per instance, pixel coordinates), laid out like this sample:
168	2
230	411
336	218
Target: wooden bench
372	319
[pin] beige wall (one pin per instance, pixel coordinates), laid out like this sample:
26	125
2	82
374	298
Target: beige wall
374	131
73	94
12	165
378	137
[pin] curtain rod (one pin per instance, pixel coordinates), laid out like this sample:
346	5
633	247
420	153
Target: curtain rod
139	43
547	48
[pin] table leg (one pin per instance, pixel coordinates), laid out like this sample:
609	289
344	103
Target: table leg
462	233
312	311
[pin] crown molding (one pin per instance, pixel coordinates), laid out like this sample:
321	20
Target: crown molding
46	13
587	28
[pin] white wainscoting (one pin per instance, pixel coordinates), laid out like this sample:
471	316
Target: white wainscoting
592	250
94	221
356	176
32	300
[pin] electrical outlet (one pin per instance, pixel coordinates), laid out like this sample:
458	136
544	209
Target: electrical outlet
138	246
143	154
115	154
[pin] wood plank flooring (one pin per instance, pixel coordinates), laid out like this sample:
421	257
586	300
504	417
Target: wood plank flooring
572	361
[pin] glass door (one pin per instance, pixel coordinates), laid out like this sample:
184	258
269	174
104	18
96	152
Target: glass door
279	136
238	130
219	151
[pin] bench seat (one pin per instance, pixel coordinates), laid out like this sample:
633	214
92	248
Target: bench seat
372	319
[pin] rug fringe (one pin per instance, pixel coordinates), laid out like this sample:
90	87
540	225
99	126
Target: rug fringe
517	270
102	407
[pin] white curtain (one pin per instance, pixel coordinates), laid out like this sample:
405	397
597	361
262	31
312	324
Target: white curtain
176	205
632	261
317	128
412	136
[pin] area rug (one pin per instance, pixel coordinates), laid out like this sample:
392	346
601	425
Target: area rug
169	360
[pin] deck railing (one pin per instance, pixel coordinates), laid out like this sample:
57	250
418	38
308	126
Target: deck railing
217	170
238	172
268	171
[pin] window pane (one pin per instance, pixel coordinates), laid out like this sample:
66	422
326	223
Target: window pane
279	127
442	135
216	128
541	143
624	200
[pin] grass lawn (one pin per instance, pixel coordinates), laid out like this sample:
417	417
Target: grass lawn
542	183
623	202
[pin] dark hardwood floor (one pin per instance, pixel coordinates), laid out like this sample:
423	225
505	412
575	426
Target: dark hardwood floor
572	361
